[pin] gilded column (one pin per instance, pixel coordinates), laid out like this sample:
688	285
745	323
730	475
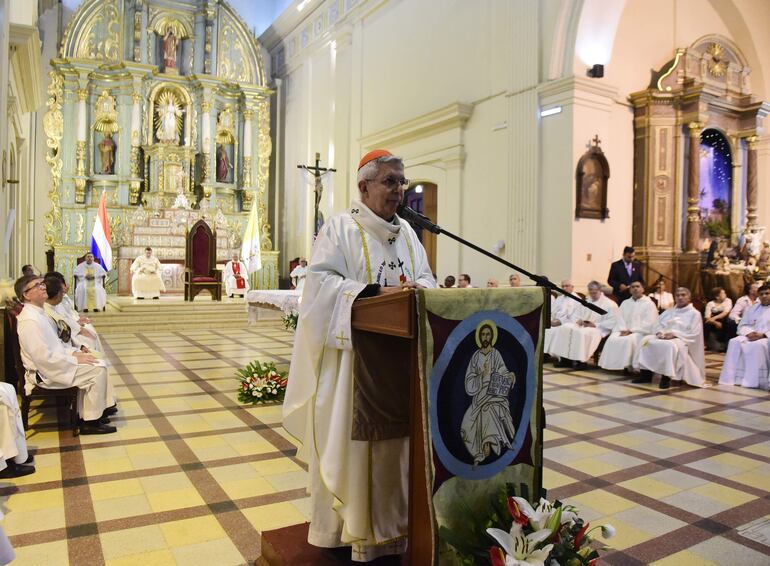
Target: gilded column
751	182
693	189
136	138
80	148
206	143
247	147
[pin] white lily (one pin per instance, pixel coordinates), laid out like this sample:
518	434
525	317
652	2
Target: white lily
538	517
521	549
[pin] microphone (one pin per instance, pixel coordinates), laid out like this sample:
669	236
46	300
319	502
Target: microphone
417	219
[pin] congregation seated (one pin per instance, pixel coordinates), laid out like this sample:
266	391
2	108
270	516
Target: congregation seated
750	297
575	343
746	362
59	307
514	280
27	270
236	277
662	298
52	362
449	282
635	320
15	461
89	289
464	281
562	312
675	349
714	319
492	283
146	282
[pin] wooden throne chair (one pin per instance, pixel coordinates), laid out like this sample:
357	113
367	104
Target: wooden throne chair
201	271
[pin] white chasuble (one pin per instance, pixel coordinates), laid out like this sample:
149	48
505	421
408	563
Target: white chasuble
562	309
747	361
146	282
352	250
637	316
578	343
681	357
89	290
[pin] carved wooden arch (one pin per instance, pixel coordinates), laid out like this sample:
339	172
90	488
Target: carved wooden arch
591	176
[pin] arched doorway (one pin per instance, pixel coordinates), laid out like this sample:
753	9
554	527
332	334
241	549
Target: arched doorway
421	196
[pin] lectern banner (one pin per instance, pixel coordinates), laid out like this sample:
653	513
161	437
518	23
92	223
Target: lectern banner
481	380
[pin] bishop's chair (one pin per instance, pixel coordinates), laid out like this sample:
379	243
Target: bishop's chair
201	271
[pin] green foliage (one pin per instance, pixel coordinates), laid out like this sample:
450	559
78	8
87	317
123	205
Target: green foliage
290	320
717	228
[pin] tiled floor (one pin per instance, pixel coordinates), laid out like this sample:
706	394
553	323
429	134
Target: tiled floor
191	477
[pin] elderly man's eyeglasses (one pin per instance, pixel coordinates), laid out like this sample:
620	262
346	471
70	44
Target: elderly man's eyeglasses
393	182
38	285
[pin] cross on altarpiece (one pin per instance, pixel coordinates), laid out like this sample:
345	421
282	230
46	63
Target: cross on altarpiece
317	171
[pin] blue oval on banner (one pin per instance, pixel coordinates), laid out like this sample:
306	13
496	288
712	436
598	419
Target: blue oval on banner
479	414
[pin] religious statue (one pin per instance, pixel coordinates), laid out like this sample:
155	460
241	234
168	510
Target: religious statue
223	164
170	42
107	149
169	118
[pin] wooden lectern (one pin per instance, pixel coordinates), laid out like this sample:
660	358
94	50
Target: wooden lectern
396	315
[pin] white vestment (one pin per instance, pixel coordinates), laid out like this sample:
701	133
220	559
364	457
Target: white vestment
747	362
562	309
89	289
146	282
681	357
665	300
78	337
231	282
299	273
578	343
637	317
13	442
43	352
352	250
740	307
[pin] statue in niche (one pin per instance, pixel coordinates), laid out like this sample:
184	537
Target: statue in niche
107	149
223	164
170	42
168	119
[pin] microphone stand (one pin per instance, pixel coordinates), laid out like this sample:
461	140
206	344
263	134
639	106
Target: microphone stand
424	222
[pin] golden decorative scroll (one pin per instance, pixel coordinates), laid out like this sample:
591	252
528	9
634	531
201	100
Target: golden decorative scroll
79	231
263	169
106	114
225	127
53	125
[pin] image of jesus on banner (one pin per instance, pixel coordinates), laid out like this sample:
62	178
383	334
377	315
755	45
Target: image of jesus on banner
487	426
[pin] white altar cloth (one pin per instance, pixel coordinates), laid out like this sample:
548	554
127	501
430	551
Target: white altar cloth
284	301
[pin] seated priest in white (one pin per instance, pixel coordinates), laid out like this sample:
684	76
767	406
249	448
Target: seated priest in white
56	309
236	277
575	343
15	461
51	362
298	275
675	349
636	317
562	311
748	354
146	282
66	309
344	473
750	297
89	289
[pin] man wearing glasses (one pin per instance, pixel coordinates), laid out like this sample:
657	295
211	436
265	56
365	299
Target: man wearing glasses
52	364
365	251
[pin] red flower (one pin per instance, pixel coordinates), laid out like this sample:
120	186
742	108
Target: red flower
496	556
518	516
579	536
593	562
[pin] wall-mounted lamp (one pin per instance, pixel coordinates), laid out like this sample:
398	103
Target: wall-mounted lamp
596	72
550	111
418	189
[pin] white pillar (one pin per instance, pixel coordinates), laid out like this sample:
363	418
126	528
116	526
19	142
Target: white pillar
82	94
136	120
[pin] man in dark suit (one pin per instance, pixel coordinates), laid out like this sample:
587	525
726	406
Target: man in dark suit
624	272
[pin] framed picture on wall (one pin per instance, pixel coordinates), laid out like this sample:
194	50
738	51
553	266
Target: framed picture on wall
591	176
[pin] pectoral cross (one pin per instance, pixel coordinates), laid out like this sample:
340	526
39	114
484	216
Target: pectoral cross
317	171
342	338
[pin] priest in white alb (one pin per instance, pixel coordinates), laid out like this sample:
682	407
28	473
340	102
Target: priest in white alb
675	349
146	282
65	309
575	343
298	275
236	277
748	355
562	313
89	288
636	317
358	488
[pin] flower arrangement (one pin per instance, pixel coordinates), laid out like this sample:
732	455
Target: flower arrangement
523	535
261	383
290	320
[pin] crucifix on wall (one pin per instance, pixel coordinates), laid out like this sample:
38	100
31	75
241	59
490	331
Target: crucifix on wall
318	173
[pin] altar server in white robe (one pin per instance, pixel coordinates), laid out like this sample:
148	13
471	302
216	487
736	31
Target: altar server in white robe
748	354
89	289
675	350
146	282
52	364
298	275
562	312
576	343
15	461
636	317
367	250
236	277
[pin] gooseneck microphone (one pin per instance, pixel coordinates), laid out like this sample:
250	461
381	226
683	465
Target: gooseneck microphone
411	215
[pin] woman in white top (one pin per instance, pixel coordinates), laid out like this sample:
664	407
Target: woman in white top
715	318
664	299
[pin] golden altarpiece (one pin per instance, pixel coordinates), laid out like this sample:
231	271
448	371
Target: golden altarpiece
161	105
703	93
